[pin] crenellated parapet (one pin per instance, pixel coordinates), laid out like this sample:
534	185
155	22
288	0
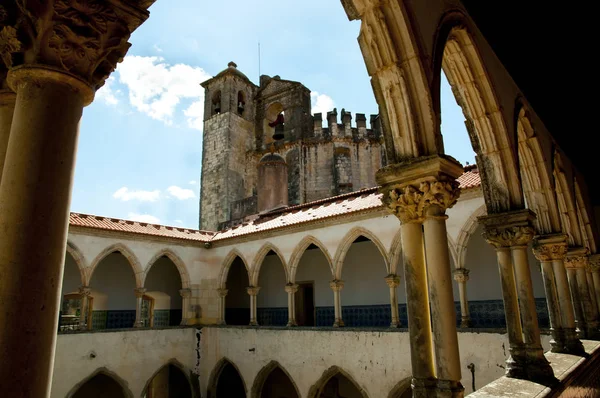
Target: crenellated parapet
343	128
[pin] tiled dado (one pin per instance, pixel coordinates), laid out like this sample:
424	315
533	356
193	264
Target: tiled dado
113	319
277	316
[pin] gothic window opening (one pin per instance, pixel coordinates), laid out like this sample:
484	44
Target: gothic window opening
241	103
216	103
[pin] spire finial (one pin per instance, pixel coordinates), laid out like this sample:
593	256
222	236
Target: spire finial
232	64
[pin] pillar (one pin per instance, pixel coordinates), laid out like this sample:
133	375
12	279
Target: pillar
510	233
222	295
393	281
419	192
594	261
85	292
185	294
592	294
576	263
7	108
551	250
291	289
253	292
139	298
337	285
461	276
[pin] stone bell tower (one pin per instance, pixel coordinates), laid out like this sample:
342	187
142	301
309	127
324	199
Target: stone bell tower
228	136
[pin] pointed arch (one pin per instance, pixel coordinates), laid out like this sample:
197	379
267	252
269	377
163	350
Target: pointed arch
402	388
231	256
183	272
316	388
213	380
79	259
395	252
259	259
469	227
456	53
102	371
299	252
262	376
565	198
536	176
584	219
346	243
128	254
174	362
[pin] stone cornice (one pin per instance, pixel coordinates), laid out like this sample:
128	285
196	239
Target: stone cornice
133	236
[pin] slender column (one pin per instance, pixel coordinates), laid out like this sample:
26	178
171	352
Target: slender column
576	263
7	108
510	233
337	285
253	292
393	281
577	306
222	295
291	289
595	270
85	292
592	294
139	296
461	276
185	306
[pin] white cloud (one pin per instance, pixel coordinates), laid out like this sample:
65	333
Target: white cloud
179	221
156	88
193	182
106	92
157	48
321	103
195	115
143	218
181	193
125	194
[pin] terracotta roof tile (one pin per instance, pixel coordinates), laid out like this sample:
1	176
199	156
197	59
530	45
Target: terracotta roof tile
470	179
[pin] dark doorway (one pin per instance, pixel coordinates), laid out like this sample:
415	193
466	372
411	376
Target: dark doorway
305	304
230	384
169	382
237	302
100	386
278	385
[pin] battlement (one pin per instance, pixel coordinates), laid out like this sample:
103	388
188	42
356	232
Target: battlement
345	128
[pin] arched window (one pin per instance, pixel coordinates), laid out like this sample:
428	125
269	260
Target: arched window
241	103
216	103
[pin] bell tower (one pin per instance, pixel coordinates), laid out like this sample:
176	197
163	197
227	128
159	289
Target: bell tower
229	113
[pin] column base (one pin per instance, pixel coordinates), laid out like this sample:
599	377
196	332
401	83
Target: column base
338	323
222	323
138	324
423	388
530	364
291	324
573	345
253	323
466	322
558	341
395	325
449	389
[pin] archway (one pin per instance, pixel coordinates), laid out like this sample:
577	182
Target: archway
274	382
401	390
70	310
272	302
169	382
162	284
336	383
101	384
237	302
226	381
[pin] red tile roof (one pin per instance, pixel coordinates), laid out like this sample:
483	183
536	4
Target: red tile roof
354	202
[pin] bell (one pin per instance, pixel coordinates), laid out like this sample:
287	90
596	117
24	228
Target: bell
278	135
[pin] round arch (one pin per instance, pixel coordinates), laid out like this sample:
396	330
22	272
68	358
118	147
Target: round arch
316	388
346	243
402	389
260	257
231	256
77	256
183	272
173	362
128	254
468	228
213	380
102	371
299	252
262	376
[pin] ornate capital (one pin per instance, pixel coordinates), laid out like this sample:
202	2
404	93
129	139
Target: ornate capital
185	293
392	280
508	229
85	290
550	247
336	285
291	288
577	257
461	275
595	262
253	290
222	292
84	38
139	292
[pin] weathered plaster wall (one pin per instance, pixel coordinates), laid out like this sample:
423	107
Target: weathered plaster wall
134	355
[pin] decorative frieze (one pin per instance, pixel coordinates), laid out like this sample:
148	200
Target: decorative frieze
510	229
550	247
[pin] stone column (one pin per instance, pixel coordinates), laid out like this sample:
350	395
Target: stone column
185	294
7	108
337	285
291	289
85	292
222	295
418	192
510	233
57	54
592	294
253	292
576	263
139	298
461	276
595	270
393	281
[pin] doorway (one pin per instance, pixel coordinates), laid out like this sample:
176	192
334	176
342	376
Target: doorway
305	304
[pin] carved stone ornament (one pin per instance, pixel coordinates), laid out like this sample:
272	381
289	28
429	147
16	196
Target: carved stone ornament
594	262
336	285
291	288
185	293
85	290
85	38
509	236
393	281
549	251
139	292
461	275
253	290
222	292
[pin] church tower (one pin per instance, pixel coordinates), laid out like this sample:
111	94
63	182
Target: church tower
228	138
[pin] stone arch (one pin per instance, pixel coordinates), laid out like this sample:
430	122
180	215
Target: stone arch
231	256
299	252
566	203
456	53
584	219
402	389
344	246
174	362
77	255
395	253
536	176
183	272
102	371
128	254
211	391
262	376
316	388
465	233
260	257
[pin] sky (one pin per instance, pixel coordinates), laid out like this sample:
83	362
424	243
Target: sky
140	145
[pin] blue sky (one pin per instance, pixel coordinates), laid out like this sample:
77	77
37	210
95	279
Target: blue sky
140	144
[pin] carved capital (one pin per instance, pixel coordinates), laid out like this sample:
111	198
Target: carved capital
253	290
461	275
222	292
509	229
185	293
291	288
550	247
84	38
85	290
594	262
139	292
577	257
392	280
336	285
